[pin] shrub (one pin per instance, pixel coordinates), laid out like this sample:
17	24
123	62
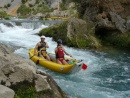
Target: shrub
23	10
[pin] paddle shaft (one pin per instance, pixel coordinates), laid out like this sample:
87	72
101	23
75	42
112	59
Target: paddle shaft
32	56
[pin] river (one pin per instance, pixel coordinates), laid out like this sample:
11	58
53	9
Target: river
107	76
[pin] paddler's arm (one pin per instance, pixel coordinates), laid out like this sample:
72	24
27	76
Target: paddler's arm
67	53
47	45
35	49
55	50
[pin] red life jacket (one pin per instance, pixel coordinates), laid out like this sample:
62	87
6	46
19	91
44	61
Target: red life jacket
60	53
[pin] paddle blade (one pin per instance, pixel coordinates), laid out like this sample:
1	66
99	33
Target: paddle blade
84	66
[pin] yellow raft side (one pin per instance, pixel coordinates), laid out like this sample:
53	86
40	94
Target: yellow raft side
49	64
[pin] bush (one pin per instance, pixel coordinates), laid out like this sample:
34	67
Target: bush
30	5
63	6
28	93
8	5
23	10
23	1
118	40
4	15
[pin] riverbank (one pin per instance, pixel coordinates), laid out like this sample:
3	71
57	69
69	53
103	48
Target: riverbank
84	35
21	79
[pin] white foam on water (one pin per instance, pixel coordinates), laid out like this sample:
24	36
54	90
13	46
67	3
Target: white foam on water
82	84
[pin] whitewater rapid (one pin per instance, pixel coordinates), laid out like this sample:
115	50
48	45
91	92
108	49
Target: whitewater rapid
104	77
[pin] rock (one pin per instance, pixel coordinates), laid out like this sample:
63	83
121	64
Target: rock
118	21
41	83
16	70
78	31
116	12
6	92
128	24
103	21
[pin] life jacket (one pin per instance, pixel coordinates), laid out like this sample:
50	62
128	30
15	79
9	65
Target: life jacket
42	46
42	49
60	53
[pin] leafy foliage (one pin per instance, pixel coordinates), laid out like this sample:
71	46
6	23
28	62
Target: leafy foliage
57	32
28	93
63	6
117	39
23	10
4	15
23	1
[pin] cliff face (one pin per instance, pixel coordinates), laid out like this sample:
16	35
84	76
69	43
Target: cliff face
110	11
111	18
101	23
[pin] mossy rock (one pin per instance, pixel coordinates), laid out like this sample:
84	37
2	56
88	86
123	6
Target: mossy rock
57	32
74	33
27	90
119	40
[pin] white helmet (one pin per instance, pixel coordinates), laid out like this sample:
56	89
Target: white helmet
43	37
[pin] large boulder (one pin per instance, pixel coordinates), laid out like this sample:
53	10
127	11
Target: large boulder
19	73
80	33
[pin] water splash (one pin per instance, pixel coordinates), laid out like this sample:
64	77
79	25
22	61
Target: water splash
107	76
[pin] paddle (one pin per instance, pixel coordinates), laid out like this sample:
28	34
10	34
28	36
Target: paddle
84	66
31	56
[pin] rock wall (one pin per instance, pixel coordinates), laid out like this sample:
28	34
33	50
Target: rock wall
109	14
111	19
15	70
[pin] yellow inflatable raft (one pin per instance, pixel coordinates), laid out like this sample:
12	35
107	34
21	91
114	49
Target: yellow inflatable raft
73	67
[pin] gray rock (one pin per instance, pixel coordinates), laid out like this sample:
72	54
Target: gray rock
128	24
6	92
15	69
41	83
119	22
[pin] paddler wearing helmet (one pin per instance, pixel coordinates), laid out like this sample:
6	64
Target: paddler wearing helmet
60	52
41	48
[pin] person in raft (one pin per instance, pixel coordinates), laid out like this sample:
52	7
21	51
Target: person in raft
59	51
41	48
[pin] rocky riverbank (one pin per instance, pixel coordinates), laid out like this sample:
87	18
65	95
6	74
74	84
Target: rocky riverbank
19	78
102	24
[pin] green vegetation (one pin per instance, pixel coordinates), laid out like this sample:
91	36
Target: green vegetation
78	39
30	5
3	15
57	31
63	6
44	8
118	40
76	1
23	10
8	5
23	1
28	93
27	90
37	2
24	90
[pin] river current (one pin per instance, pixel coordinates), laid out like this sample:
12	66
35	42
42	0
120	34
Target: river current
107	76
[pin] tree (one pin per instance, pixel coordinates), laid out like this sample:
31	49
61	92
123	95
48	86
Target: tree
23	1
23	10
